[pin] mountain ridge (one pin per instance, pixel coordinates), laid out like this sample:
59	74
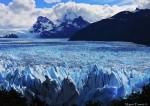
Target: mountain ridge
47	29
124	26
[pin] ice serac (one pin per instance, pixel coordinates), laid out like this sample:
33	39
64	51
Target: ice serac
105	86
51	90
100	86
1	78
60	86
69	93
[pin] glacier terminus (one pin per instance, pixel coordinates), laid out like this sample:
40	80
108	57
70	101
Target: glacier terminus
73	72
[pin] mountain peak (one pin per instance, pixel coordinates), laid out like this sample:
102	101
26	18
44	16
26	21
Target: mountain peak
79	19
42	24
40	18
137	9
69	17
80	22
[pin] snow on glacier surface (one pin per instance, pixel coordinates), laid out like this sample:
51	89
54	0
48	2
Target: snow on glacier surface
98	70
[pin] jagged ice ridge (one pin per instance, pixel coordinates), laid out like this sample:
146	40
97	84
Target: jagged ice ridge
74	72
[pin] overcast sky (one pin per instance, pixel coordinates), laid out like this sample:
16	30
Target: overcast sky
23	13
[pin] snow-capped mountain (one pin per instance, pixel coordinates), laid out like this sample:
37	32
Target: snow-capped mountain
124	26
47	29
44	28
42	24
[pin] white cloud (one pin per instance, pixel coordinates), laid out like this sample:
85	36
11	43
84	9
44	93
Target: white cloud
89	12
23	13
22	5
142	3
52	1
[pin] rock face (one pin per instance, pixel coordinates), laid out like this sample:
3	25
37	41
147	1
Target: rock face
124	26
47	29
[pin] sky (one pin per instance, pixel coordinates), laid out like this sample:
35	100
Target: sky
24	13
50	3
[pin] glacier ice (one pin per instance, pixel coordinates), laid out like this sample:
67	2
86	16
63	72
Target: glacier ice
75	72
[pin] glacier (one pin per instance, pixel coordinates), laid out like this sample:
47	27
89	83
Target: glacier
65	72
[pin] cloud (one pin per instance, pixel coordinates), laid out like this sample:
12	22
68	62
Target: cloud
22	5
139	3
91	13
23	13
142	3
52	1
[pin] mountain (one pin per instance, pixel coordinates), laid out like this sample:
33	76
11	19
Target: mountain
16	33
10	35
47	29
124	26
44	28
42	24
